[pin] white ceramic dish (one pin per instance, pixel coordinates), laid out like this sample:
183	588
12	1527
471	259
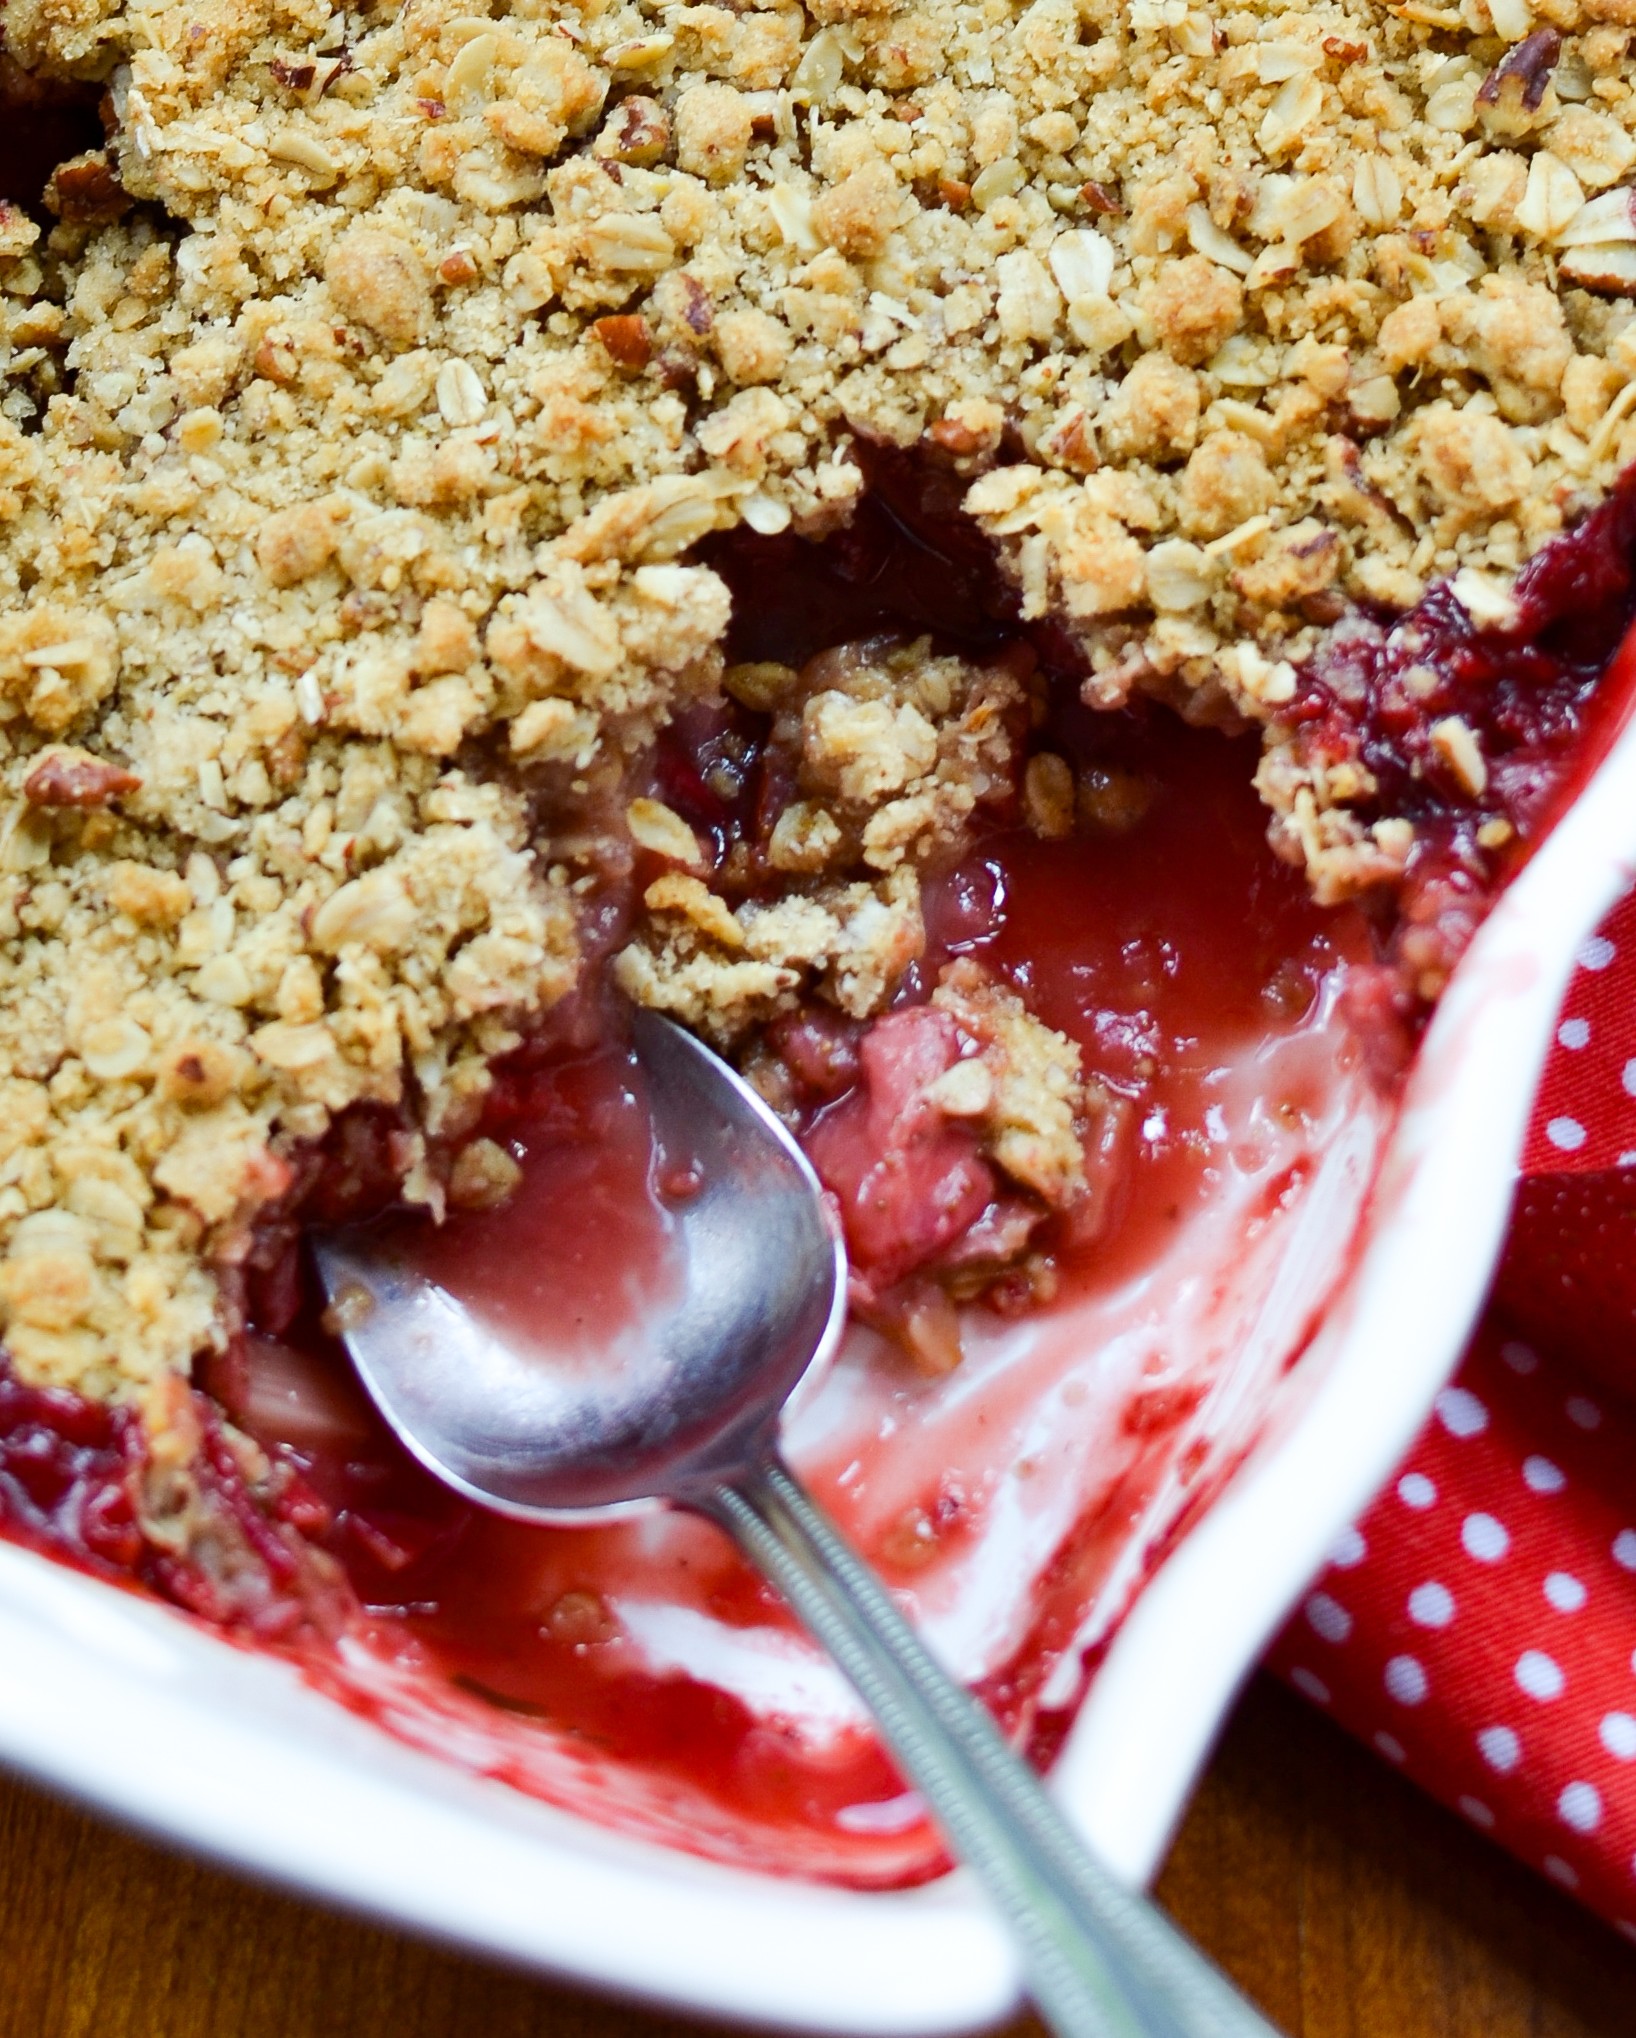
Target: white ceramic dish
135	1710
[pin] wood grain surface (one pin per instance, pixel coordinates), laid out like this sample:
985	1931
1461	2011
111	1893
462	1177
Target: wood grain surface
1346	1904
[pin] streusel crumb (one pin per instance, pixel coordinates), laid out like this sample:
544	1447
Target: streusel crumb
374	383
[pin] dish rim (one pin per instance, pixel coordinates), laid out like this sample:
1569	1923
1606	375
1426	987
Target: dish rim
136	1711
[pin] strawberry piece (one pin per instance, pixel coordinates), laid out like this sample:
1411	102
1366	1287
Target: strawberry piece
909	1180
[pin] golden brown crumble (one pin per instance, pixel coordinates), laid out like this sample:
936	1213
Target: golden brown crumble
364	400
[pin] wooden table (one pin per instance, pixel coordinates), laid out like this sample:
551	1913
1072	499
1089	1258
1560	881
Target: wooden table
1345	1903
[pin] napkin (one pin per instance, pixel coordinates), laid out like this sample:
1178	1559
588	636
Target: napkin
1477	1626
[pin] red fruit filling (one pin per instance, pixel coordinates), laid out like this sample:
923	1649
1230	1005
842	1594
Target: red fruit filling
1163	939
909	1180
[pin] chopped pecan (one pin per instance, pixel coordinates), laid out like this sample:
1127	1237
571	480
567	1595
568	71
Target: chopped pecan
287	757
625	339
954	437
677	369
297	77
1340	50
1531	63
85	192
74	778
698	310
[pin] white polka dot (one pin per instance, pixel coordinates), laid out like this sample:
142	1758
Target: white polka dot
1484	1538
1574	1033
1539	1675
1539	1475
1460	1412
1310	1686
1431	1605
1559	1871
1583	1412
1596	952
1628	1078
1406	1680
1391	1747
1500	1748
1349	1550
1617	1734
1478	1813
1567	1135
1519	1357
1580	1806
1564	1592
1627	1159
1328	1617
1414	1489
1624	1549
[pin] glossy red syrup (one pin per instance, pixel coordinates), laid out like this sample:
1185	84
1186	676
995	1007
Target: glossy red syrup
1157	995
582	1251
1162	949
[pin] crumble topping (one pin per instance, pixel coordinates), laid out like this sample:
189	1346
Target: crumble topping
365	399
891	753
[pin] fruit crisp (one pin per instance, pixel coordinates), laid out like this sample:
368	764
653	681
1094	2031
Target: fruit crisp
370	396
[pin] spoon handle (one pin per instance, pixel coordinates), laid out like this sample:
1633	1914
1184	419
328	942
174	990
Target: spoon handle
1102	1961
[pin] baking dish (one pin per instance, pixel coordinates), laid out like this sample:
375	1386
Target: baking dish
138	1711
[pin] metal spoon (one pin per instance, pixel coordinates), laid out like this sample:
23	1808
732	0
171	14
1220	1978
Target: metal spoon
690	1418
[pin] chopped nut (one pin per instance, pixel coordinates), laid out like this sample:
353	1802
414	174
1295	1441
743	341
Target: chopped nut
817	77
74	778
1456	743
1528	65
85	190
1610	218
626	340
1610	266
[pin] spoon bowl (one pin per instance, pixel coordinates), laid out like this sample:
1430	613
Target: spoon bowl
751	1309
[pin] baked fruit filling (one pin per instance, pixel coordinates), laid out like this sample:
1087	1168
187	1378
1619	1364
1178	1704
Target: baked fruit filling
982	557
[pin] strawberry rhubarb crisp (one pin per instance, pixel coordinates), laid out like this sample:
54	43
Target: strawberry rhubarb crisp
503	512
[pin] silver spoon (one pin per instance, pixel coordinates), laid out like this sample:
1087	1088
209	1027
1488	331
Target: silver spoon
690	1418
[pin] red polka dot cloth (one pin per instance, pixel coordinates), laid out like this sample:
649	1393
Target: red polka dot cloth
1478	1625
